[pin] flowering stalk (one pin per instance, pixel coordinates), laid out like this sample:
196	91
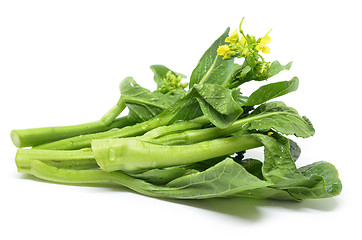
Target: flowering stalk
244	47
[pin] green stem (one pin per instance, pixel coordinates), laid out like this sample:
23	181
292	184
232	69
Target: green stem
199	135
75	159
132	154
84	141
108	118
38	136
159	132
47	172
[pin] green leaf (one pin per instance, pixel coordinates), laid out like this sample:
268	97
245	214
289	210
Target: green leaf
144	104
274	106
225	178
278	166
323	176
294	150
190	110
161	176
272	90
211	67
279	117
219	104
317	180
266	193
276	68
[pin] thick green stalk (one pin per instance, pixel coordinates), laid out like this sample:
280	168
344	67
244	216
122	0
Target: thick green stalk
84	141
132	154
199	135
51	173
196	123
108	118
191	136
74	159
37	136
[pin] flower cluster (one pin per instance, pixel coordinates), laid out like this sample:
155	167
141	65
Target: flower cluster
243	46
171	82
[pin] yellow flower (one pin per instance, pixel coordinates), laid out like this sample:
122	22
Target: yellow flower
222	50
242	41
233	38
261	46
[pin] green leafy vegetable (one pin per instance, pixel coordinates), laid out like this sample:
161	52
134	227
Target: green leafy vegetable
190	144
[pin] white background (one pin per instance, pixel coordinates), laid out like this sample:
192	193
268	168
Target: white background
61	63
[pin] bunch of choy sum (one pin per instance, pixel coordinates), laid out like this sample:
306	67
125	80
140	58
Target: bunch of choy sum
190	144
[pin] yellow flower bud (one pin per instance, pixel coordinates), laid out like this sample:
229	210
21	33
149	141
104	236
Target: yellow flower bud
252	39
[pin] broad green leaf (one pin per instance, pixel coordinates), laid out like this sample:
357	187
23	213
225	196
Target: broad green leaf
225	178
274	106
279	117
266	193
211	67
186	108
272	90
144	104
141	113
286	123
219	104
324	177
278	166
317	180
